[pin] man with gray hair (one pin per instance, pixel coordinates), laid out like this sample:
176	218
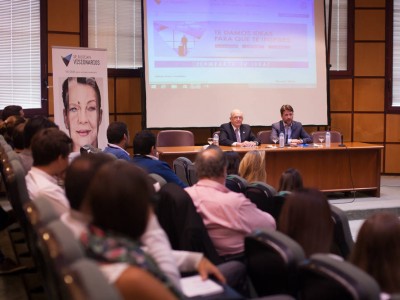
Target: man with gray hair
228	216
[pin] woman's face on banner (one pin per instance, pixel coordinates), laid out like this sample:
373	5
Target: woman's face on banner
83	116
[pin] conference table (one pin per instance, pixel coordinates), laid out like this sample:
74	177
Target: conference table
354	167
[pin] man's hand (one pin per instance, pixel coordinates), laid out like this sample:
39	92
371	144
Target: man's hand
206	268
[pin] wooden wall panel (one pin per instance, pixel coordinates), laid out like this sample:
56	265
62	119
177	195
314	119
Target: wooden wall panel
368	127
342	122
363	30
63	15
370	3
54	39
392	161
393	128
369	94
369	59
341	94
111	96
128	95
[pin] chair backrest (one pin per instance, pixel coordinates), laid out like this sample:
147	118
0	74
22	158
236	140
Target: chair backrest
180	165
41	212
236	183
264	136
342	238
336	136
325	277
272	260
261	194
192	174
158	178
169	138
84	280
182	223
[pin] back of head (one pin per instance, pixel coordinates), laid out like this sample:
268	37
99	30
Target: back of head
377	249
119	197
48	144
143	142
233	160
18	136
306	218
252	166
116	131
11	110
211	163
290	180
80	173
33	125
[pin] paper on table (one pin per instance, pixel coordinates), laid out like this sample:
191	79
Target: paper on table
195	286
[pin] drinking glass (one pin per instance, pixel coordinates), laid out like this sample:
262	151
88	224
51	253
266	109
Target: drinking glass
210	140
275	140
321	139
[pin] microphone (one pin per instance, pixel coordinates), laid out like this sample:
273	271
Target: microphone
341	141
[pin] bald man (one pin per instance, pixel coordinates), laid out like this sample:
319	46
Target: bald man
235	133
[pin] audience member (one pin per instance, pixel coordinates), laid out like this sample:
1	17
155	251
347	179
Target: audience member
18	137
8	126
50	150
12	110
32	126
290	181
293	130
118	139
235	133
252	166
233	159
306	218
145	156
228	216
77	181
377	249
122	189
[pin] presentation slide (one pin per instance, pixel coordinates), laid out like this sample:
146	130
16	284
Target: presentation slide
205	58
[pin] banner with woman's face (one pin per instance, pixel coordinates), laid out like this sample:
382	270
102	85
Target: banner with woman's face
81	95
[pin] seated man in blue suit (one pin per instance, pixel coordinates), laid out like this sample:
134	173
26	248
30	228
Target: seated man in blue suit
235	133
145	156
293	130
118	137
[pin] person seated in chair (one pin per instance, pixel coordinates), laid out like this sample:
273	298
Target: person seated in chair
50	150
228	216
293	130
146	156
252	166
235	133
118	137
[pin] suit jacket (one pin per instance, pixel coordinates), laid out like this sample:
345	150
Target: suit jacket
159	167
227	135
298	131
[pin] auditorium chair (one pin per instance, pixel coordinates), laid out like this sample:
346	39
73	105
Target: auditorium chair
170	138
336	136
342	238
261	194
272	260
183	225
264	136
328	278
180	166
236	183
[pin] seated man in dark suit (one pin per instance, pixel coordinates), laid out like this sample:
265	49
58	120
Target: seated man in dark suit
145	156
293	130
118	136
235	133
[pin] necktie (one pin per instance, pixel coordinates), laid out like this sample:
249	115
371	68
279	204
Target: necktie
238	135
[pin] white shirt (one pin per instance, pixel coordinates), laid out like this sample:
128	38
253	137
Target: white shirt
40	183
155	243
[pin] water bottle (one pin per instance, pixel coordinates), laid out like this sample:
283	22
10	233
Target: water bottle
216	139
328	139
281	140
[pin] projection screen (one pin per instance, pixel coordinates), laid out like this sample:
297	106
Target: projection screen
203	58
